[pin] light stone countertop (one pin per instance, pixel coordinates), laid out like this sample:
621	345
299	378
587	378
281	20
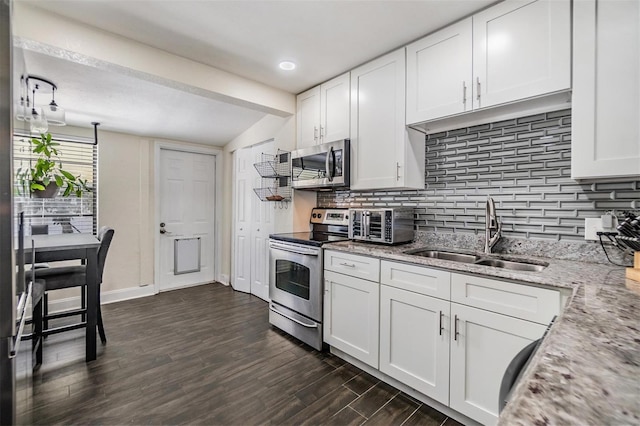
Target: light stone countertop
587	369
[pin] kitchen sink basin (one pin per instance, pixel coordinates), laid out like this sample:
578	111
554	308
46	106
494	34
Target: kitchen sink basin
514	265
444	255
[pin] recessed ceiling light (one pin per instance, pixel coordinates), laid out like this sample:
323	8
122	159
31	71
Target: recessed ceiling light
287	65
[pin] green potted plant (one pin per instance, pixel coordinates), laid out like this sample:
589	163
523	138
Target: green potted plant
46	177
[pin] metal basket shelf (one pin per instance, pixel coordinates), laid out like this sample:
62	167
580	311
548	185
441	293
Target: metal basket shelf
273	166
274	193
275	171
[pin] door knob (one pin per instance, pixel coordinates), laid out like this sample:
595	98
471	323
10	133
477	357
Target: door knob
162	230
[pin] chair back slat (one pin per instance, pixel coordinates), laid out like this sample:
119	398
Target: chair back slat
105	235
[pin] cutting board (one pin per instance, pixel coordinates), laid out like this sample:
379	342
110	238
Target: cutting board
634	273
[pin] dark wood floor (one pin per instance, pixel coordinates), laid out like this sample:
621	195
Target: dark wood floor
207	355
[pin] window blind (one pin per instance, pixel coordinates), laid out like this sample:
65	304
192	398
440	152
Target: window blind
61	214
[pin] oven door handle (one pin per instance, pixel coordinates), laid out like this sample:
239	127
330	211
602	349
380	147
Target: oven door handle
297	250
304	324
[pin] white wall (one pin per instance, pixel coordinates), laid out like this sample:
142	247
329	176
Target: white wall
126	200
126	203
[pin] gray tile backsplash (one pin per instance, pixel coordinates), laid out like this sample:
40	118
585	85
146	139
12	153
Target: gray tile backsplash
524	164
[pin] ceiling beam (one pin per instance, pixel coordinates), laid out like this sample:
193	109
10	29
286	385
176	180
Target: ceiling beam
55	35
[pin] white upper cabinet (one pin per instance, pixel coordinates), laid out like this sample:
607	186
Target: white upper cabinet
606	89
308	118
334	109
384	153
515	50
439	73
323	113
521	49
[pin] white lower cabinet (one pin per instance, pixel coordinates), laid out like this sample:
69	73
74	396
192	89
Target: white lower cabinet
454	353
351	315
482	345
414	341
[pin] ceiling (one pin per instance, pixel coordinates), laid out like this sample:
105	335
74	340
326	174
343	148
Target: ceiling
245	37
127	104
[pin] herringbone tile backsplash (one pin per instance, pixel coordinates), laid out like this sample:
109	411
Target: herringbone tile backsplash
524	164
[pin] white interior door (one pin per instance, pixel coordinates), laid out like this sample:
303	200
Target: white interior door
261	227
187	210
254	221
243	194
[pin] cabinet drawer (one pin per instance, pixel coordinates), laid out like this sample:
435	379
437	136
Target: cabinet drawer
364	267
516	300
430	282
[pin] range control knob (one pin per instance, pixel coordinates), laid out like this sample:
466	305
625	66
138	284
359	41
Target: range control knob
314	215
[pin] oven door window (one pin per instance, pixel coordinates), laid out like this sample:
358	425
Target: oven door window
293	278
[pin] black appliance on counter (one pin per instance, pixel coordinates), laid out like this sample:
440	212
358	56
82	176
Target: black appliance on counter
296	283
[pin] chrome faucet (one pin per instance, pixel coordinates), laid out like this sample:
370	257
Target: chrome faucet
491	223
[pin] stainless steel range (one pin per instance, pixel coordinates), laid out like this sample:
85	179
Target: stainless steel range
295	275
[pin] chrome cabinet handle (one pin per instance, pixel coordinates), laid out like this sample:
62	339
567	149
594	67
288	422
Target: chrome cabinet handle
315	133
464	93
321	133
350	265
455	328
441	327
397	171
478	88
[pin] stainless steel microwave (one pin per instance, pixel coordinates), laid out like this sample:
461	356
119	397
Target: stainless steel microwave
381	225
324	166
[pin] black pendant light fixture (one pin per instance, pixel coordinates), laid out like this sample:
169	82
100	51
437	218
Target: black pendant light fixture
39	118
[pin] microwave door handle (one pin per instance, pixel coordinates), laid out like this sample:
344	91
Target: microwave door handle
326	166
331	165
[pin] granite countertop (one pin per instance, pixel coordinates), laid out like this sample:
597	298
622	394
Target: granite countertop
587	369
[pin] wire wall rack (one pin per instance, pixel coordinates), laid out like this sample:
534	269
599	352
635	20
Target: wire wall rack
275	171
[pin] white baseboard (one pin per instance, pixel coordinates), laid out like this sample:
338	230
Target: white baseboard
105	297
224	279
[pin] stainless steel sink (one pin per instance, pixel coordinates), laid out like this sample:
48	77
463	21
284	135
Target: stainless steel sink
515	266
512	264
444	255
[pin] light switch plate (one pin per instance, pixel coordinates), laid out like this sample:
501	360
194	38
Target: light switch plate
591	226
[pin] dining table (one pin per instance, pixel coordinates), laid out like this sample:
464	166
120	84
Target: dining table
59	247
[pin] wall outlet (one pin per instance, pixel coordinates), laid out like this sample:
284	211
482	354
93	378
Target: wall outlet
592	225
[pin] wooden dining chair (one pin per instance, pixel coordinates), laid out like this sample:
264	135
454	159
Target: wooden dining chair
57	278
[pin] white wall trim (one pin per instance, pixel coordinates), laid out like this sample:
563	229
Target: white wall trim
218	154
105	297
